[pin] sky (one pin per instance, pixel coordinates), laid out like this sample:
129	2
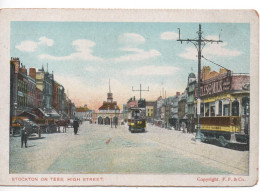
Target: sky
85	55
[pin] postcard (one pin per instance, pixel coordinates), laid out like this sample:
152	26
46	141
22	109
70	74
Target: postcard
98	97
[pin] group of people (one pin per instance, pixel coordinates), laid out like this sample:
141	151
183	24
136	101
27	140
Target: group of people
185	127
25	133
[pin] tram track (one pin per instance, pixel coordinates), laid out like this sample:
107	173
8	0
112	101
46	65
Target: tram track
211	161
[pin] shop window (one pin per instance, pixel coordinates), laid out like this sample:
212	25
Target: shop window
212	109
206	109
235	108
226	109
220	108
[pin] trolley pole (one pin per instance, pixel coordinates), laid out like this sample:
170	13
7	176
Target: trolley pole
199	43
140	90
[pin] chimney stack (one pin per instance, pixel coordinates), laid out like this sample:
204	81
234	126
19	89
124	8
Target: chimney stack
222	71
32	73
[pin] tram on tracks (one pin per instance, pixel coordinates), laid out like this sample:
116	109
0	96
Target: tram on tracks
225	110
137	117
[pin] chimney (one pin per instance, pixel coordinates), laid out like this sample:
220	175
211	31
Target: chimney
177	94
23	70
222	71
32	73
205	72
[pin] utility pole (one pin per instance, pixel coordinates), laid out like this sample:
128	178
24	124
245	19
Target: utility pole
140	90
199	43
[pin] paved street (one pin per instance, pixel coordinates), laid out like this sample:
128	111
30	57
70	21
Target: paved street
100	149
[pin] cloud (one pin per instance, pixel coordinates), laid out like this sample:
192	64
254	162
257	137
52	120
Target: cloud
169	36
131	39
31	46
139	54
214	49
84	52
46	41
153	70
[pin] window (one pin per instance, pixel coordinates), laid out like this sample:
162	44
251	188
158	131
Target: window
220	108
201	109
226	109
206	109
245	106
212	109
235	108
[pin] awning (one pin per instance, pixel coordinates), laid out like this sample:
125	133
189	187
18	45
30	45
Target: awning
28	115
53	113
44	113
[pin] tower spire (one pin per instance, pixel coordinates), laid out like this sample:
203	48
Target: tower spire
109	86
109	94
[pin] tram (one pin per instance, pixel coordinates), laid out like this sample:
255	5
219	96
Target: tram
137	118
226	118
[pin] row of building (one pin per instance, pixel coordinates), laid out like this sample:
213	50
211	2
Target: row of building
35	91
222	93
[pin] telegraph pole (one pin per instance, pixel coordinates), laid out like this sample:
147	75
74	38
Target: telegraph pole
199	43
140	90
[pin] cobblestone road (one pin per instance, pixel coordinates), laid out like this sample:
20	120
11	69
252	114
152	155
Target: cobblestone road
102	149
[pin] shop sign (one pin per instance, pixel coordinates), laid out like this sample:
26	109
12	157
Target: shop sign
215	87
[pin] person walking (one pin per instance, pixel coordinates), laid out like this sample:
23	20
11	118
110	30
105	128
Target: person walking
24	136
75	126
183	125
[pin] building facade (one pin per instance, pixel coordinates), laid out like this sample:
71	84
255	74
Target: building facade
84	113
182	108
14	70
47	90
22	96
38	97
32	88
108	113
150	111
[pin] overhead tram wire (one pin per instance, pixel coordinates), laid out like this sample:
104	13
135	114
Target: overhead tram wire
221	66
214	63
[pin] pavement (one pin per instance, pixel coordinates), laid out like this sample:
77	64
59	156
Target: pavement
102	149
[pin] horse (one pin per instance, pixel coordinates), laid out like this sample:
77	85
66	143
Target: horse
63	123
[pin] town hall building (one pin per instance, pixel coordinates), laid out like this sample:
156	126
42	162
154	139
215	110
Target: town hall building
108	113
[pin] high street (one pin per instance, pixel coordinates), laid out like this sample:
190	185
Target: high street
102	149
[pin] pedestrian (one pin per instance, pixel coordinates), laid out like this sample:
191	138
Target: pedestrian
183	125
24	136
75	126
188	127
